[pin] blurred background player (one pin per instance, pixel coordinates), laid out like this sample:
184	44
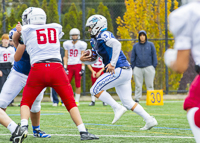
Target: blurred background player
118	72
6	59
42	43
74	48
96	71
53	92
16	82
184	23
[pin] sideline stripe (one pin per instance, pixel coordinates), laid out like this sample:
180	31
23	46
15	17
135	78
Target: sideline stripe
117	136
40	114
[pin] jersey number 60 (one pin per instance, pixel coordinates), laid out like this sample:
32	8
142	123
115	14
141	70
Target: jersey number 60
42	37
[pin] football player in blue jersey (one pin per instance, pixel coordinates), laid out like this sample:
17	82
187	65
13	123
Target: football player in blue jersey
14	84
118	72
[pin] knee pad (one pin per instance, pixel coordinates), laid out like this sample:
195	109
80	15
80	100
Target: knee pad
197	118
37	104
3	104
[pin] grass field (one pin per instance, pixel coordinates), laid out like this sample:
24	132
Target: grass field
172	124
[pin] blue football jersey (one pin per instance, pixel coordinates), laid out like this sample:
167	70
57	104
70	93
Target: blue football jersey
105	52
23	65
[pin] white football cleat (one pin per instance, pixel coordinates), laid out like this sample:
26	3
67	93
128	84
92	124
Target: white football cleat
150	123
118	113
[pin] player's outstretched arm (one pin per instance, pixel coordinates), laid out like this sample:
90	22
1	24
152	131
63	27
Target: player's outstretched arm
17	34
19	52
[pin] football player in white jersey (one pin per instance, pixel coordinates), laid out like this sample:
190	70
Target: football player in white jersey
15	83
118	72
6	59
184	23
42	43
74	48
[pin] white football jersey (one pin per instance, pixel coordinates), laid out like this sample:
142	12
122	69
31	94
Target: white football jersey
7	54
98	64
185	26
74	51
42	41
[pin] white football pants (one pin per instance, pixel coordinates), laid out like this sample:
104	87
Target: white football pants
11	88
121	80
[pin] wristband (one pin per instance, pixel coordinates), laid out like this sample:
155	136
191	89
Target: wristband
65	66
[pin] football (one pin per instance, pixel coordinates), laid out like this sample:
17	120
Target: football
91	54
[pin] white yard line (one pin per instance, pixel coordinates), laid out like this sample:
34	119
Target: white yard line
117	136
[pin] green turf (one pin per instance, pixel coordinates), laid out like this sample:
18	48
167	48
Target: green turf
171	115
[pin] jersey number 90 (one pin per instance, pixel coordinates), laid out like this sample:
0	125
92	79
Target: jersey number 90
42	37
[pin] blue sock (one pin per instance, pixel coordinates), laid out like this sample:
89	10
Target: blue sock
36	127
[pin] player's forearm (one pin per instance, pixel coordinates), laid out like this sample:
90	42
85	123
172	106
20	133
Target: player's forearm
116	45
16	37
19	52
65	61
102	70
90	68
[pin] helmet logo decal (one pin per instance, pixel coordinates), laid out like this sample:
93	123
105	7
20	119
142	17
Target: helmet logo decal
95	19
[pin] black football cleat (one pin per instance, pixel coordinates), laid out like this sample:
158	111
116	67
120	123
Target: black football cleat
92	103
19	134
137	101
105	104
88	136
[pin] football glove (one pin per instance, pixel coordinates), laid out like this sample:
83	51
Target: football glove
67	72
82	72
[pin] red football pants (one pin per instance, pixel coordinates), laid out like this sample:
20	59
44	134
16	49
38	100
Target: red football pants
193	98
48	75
74	71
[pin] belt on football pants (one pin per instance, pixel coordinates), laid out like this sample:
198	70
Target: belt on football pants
49	61
125	67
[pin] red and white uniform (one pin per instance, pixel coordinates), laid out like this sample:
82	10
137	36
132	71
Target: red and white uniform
7	54
185	25
97	67
74	63
42	43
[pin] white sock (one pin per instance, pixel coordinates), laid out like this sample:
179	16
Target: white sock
77	96
81	128
24	122
194	128
140	111
107	98
93	98
12	126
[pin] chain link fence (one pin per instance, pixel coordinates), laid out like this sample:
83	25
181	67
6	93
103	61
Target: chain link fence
117	8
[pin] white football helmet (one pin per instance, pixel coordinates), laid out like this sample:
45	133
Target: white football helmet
33	15
24	15
36	16
74	31
187	1
97	23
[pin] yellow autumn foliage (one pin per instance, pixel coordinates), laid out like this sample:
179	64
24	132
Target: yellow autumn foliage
148	15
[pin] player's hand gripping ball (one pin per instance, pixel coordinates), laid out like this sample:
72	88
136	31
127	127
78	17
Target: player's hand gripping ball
91	54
